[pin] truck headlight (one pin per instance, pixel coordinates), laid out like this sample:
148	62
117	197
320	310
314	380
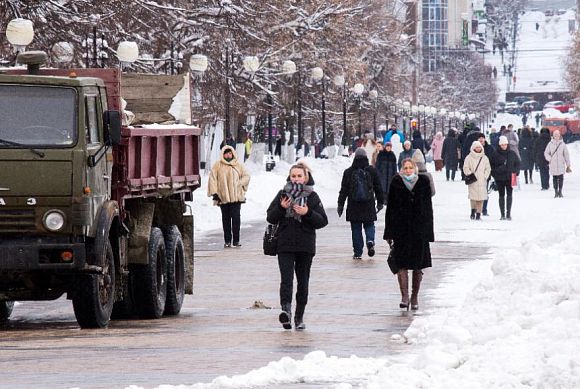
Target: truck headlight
53	220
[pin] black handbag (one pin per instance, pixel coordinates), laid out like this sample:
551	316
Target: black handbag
392	262
470	179
270	243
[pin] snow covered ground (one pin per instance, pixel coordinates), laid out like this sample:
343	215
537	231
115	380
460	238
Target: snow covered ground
512	321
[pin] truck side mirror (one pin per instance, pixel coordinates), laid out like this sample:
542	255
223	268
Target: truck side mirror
112	122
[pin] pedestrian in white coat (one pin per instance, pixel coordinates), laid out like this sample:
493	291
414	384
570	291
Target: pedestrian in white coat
478	164
557	155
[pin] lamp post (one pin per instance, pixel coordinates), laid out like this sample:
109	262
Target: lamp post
358	89
406	112
340	82
62	52
317	75
20	33
374	96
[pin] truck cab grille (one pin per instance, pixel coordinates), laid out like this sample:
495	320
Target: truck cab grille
17	221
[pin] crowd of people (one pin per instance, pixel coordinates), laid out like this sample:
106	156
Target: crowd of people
389	173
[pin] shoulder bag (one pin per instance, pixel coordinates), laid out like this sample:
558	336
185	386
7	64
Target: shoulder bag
270	243
470	179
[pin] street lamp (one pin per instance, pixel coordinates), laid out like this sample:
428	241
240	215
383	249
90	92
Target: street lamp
317	75
358	89
62	52
127	52
340	82
374	95
20	33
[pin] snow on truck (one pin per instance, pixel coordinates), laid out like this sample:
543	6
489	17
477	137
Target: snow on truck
90	206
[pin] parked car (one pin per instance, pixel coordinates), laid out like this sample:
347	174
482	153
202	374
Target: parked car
559	105
561	11
512	107
500	106
549	12
530	105
520	99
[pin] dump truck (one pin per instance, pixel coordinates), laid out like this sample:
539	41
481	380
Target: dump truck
90	206
569	127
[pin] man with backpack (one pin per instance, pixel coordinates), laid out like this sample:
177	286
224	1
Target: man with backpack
361	186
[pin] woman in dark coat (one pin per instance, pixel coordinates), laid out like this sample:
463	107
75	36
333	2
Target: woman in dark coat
409	228
539	147
298	211
386	166
418	142
450	154
526	147
361	214
504	162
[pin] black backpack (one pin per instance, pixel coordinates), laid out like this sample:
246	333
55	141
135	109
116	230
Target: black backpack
361	189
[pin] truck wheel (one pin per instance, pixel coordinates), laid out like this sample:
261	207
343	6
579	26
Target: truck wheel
150	281
6	310
123	309
175	271
95	294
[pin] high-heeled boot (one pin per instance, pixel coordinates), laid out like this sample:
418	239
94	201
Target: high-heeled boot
285	316
502	207
403	278
299	317
417	278
508	208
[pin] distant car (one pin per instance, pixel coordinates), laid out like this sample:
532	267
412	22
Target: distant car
530	105
500	106
512	107
549	12
561	12
521	99
559	105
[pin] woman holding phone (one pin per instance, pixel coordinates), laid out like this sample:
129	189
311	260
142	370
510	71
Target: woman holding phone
298	211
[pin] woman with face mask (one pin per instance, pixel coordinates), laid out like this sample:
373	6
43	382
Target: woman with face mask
409	229
298	211
558	158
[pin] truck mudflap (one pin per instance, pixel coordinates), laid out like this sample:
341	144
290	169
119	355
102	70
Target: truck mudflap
42	256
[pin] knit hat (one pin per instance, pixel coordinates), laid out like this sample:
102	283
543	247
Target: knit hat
388	144
419	160
360	152
503	140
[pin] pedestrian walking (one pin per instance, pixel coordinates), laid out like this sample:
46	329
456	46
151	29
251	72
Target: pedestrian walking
541	162
386	168
361	186
227	185
504	164
407	153
419	160
557	155
248	147
538	117
298	212
526	146
494	71
418	143
450	154
436	149
409	229
477	163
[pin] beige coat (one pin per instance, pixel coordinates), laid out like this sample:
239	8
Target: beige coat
229	180
478	190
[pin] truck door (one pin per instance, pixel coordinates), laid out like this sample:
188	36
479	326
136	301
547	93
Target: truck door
98	176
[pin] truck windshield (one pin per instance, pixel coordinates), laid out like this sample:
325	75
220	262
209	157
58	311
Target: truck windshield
37	115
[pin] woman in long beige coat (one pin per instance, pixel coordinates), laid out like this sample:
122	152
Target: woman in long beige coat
227	185
476	162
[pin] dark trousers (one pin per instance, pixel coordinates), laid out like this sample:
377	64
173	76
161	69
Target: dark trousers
290	263
450	170
545	176
504	187
231	221
526	173
558	182
357	236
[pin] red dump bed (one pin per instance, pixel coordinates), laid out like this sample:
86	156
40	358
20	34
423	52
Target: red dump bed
156	161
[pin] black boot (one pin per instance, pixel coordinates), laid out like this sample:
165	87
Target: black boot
509	208
556	187
526	175
472	214
285	316
478	216
560	186
298	317
502	207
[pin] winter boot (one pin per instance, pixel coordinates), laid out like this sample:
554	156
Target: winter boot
502	207
509	208
298	317
417	278
478	216
472	214
285	316
403	278
560	186
526	176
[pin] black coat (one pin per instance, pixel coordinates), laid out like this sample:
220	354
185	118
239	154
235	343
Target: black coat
526	147
418	142
360	211
449	153
503	164
409	223
539	148
386	166
293	235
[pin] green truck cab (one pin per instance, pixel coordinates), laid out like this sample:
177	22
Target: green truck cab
91	207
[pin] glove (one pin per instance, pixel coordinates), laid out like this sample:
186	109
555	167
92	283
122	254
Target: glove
339	210
379	207
215	197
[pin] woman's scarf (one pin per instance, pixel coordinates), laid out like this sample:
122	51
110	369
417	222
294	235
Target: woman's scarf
298	193
410	181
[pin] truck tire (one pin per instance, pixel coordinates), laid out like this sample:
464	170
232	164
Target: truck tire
6	310
175	270
150	281
95	294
